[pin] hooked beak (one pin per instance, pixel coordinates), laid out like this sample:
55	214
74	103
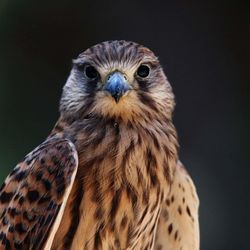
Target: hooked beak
117	85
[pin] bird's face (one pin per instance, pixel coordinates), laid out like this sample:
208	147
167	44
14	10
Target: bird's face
117	79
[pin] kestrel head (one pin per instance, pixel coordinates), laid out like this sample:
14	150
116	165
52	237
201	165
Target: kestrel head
117	79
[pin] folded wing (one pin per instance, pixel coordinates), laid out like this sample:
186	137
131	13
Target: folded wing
34	195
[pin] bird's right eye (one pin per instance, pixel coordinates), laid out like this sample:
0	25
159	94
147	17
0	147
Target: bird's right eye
91	72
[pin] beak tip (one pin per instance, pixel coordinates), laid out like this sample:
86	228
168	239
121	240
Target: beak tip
116	97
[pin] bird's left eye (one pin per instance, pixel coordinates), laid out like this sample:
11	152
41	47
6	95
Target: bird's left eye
143	71
91	72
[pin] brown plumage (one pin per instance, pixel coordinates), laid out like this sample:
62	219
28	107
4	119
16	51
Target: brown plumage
109	168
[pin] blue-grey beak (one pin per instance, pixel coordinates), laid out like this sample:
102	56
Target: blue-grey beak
117	85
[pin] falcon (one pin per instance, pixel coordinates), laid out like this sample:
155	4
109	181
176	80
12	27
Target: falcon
108	176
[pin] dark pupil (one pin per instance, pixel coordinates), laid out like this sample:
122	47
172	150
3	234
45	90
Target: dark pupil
143	71
91	72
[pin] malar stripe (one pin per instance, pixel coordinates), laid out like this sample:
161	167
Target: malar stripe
143	85
148	101
90	89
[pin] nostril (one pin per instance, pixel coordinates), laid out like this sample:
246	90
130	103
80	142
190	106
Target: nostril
118	88
116	76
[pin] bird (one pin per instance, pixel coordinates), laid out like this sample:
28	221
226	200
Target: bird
108	176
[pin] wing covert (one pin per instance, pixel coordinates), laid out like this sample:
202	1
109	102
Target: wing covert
33	196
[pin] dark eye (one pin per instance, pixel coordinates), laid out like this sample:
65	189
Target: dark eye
143	71
91	72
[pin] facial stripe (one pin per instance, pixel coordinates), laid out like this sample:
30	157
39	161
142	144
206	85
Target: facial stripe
147	100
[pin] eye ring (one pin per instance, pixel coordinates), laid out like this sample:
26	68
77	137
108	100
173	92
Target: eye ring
143	71
91	72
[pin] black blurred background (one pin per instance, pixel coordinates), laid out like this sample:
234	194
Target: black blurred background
205	51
